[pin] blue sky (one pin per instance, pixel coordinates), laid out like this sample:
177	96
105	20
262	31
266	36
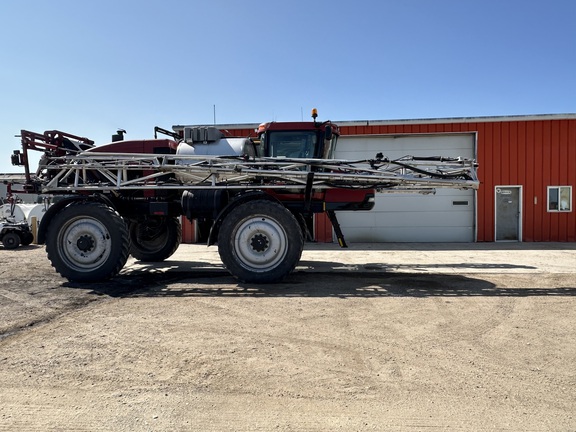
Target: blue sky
90	67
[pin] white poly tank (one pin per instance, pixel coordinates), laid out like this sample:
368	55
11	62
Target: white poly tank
22	212
36	211
6	212
222	147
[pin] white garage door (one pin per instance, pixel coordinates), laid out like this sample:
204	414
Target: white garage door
447	216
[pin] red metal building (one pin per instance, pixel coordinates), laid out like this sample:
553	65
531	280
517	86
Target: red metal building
531	156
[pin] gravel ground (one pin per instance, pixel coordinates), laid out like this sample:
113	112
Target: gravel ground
375	337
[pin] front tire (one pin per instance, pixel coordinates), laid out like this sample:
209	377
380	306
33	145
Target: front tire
260	241
87	242
155	239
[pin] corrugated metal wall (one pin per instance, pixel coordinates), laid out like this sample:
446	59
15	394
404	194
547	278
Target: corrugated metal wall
532	153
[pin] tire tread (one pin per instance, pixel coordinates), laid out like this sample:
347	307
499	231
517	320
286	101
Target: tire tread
88	208
260	207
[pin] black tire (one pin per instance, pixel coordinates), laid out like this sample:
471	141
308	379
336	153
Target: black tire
11	240
155	239
260	242
87	242
27	238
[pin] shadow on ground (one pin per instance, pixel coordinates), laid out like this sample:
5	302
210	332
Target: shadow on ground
180	279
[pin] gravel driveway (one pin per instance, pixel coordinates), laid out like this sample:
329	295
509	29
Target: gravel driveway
376	337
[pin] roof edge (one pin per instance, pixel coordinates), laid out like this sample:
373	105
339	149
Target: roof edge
481	119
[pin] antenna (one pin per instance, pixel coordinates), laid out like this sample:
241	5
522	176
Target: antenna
214	114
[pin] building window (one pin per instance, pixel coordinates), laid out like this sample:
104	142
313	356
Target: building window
559	198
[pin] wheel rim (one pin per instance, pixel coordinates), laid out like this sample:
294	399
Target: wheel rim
149	236
260	243
85	243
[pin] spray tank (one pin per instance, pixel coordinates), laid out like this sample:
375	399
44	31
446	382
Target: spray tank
209	141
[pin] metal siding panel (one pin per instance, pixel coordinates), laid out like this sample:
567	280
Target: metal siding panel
504	146
538	172
239	132
568	171
560	137
506	157
497	155
322	228
567	177
534	198
188	230
563	161
518	153
546	154
555	164
487	161
515	158
522	152
557	224
549	221
571	163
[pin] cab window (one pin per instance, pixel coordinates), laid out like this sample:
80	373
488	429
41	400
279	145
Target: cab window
291	144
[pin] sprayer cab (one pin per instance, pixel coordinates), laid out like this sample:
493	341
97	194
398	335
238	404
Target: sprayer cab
307	140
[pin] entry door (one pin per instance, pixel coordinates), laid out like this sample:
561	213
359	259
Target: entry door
508	213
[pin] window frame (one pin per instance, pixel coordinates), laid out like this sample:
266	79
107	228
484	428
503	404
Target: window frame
559	194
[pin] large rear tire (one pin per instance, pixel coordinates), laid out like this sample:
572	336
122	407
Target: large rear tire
260	242
87	242
155	238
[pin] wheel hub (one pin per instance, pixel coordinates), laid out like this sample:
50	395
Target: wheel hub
259	243
85	243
